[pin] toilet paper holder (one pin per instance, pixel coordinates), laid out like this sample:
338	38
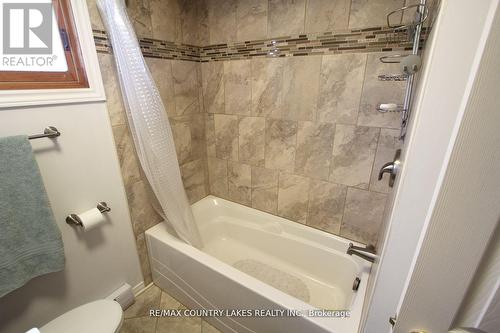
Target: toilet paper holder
75	220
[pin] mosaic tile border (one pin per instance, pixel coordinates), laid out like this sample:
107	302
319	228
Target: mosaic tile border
152	48
377	39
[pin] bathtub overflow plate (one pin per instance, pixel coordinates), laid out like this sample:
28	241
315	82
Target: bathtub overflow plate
356	283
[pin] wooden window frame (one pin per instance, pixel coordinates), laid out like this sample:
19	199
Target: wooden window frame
75	77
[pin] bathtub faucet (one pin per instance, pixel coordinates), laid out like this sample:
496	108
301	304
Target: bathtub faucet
367	253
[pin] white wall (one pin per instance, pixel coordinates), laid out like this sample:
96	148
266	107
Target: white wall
79	169
436	110
481	308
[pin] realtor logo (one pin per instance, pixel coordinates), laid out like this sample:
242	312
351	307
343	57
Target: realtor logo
27	28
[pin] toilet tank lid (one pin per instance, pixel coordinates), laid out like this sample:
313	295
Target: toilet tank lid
103	316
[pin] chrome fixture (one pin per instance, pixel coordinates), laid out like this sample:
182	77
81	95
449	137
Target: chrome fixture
75	220
390	107
392	59
275	51
392	77
422	14
49	132
410	64
356	283
392	168
367	253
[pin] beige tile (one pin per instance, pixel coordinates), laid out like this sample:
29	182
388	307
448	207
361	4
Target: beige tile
181	130
293	197
238	93
168	302
139	12
129	163
363	215
186	76
226	136
326	206
265	189
95	17
161	70
198	141
193	176
178	325
386	149
213	86
217	173
166	20
139	325
376	92
251	20
286	17
372	13
142	212
252	140
353	154
281	138
314	149
194	22
142	251
267	86
189	137
240	183
207	328
114	101
203	31
210	134
149	299
222	21
301	87
340	88
327	15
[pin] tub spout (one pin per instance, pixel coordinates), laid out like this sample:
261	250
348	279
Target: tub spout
367	253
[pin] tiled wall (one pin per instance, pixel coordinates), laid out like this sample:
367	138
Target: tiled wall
298	136
179	83
240	20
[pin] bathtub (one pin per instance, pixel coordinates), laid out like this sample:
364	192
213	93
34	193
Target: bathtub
253	261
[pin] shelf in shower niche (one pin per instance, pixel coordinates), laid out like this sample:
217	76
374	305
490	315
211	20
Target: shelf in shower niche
392	77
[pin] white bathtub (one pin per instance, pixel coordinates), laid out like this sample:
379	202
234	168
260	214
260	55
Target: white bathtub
254	260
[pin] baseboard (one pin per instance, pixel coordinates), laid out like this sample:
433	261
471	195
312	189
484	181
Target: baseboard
139	288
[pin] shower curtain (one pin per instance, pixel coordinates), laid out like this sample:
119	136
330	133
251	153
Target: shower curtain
148	122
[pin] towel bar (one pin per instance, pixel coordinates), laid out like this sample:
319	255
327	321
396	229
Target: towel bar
49	132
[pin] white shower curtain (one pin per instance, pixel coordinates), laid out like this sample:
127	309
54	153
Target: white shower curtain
148	122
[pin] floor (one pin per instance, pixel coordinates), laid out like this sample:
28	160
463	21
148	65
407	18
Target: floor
137	319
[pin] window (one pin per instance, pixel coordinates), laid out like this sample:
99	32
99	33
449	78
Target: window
40	48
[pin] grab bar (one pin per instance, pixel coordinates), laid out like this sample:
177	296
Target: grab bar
49	132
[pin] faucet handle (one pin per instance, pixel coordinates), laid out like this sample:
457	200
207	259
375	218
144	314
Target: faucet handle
386	168
392	168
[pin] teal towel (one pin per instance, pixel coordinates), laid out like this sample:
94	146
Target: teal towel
30	241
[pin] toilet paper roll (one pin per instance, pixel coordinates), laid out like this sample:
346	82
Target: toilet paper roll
91	219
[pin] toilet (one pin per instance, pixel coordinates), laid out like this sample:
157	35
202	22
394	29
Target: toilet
103	316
